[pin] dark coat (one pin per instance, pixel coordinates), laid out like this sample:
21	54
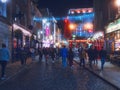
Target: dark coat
103	53
70	54
90	53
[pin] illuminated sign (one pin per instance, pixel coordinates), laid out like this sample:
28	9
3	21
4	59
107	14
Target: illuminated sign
98	35
25	32
113	28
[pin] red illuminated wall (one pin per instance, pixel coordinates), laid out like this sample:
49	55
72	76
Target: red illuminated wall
67	32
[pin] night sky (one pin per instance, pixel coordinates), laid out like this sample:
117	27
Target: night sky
59	8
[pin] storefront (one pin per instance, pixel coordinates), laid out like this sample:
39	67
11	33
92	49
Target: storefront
113	36
97	40
21	36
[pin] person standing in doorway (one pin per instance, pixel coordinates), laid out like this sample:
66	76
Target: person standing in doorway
4	58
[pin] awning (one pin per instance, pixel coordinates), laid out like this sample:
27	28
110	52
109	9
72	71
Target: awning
25	32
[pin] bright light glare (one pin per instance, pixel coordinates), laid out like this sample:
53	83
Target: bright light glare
88	26
118	2
3	1
72	26
44	20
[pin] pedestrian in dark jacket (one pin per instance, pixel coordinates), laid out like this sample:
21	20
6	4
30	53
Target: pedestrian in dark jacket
23	56
57	51
82	57
40	52
46	54
52	54
90	53
70	57
103	55
95	55
4	58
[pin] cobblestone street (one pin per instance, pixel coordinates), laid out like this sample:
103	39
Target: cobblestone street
41	76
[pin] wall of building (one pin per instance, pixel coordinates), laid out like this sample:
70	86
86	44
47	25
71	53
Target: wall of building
105	11
5	35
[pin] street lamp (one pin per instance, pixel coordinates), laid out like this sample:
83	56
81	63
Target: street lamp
118	4
72	26
3	1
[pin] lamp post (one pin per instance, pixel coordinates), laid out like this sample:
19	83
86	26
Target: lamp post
12	36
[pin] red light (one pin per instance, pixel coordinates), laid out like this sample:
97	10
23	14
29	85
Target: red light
65	20
90	30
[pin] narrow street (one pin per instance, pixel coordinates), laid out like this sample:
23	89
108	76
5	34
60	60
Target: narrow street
41	76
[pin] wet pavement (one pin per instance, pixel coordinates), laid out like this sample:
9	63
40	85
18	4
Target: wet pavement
111	72
42	76
15	68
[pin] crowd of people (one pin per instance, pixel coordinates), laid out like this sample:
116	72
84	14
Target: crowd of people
67	55
91	54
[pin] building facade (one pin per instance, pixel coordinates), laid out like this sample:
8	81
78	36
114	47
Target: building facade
17	24
105	12
105	18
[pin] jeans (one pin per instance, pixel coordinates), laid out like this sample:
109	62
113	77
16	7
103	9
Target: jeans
3	67
90	63
102	62
82	61
64	62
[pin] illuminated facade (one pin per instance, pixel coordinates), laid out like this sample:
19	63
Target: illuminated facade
105	12
106	20
113	36
82	19
17	24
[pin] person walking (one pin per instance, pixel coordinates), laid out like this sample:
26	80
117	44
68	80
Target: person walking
103	55
4	58
90	53
64	54
70	57
95	55
32	51
23	56
82	57
40	52
52	54
57	53
46	54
